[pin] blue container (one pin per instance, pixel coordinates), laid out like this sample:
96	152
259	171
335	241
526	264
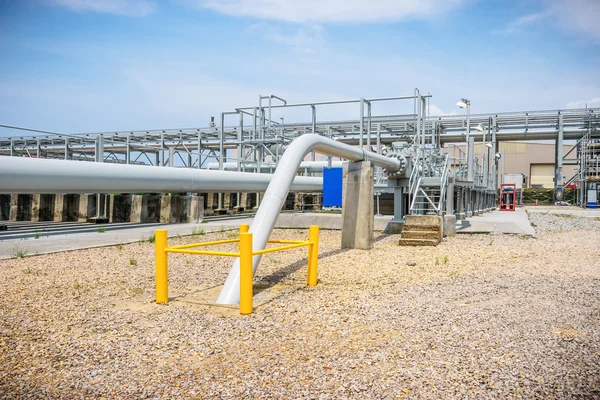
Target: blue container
332	187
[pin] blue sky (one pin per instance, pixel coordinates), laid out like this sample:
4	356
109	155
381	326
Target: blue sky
106	65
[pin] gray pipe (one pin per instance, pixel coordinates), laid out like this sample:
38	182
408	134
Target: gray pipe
309	166
30	175
277	191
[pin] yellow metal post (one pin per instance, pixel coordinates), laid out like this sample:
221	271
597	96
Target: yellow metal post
244	228
245	273
313	255
162	276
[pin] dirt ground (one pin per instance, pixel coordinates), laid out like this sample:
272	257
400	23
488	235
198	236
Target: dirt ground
479	316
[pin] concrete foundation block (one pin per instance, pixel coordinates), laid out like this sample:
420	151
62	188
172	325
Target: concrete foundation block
165	209
35	207
196	214
449	228
357	211
136	208
393	227
59	207
14	207
84	214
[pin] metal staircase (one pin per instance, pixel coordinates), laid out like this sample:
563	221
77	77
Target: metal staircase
428	193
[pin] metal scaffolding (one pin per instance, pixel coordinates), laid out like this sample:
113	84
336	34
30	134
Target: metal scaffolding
255	141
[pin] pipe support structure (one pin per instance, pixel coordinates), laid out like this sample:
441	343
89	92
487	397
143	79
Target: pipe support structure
276	193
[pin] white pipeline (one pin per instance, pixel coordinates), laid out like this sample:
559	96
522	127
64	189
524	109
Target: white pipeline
276	193
30	175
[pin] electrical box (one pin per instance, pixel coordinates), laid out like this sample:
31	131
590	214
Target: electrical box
508	197
592	198
332	187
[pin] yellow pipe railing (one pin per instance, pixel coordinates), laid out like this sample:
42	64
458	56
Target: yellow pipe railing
245	253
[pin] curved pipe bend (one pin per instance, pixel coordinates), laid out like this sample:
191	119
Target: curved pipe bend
277	191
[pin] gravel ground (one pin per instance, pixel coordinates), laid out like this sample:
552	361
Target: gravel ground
479	316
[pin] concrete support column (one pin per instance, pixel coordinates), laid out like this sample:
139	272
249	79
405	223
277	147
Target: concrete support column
59	207
136	208
111	208
227	200
210	200
14	207
165	209
297	201
196	214
244	201
83	213
35	207
357	210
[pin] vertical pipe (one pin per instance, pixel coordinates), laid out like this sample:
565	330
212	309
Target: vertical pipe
362	122
199	150
469	149
313	255
162	149
39	148
245	249
66	148
221	145
162	275
329	158
240	156
368	125
128	151
559	152
171	162
270	119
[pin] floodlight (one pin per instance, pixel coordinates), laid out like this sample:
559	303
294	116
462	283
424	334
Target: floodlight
479	128
463	103
489	145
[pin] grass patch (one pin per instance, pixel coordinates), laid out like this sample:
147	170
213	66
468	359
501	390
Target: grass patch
101	229
132	261
135	291
198	231
17	252
150	239
564	215
37	235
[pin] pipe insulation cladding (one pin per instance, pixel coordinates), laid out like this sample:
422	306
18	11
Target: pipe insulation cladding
30	176
274	197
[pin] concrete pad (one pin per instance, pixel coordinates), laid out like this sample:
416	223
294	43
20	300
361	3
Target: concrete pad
515	222
75	241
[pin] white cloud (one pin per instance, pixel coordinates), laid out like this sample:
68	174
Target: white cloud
579	16
130	8
331	11
593	103
525	20
576	16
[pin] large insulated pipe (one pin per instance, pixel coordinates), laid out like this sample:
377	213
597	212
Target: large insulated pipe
276	193
308	166
30	175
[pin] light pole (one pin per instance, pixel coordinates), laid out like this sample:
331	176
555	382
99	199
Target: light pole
466	103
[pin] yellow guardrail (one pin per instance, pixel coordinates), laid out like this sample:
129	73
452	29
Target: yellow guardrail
245	253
